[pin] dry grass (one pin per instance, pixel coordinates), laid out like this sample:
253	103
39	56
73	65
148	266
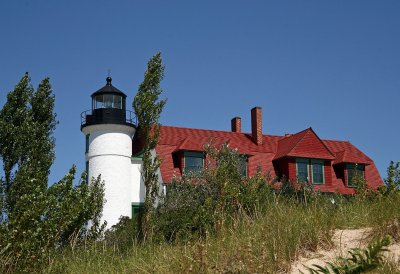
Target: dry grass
268	242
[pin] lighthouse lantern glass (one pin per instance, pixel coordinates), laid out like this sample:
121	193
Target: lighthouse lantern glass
107	101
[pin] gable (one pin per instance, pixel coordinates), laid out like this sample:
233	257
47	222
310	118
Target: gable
303	144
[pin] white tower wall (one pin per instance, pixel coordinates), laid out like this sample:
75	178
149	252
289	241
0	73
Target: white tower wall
109	155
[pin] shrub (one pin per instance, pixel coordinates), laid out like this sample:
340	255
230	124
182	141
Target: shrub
123	235
199	203
187	210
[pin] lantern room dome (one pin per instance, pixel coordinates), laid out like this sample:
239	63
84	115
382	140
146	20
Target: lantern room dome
108	97
108	89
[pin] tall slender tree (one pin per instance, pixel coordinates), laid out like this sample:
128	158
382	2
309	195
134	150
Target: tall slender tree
44	120
148	107
15	128
27	122
38	219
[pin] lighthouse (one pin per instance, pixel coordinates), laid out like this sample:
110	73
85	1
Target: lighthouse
109	128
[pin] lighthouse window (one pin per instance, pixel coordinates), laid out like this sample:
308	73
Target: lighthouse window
87	142
117	102
108	101
99	101
87	171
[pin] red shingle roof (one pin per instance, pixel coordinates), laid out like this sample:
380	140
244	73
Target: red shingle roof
195	139
345	152
302	144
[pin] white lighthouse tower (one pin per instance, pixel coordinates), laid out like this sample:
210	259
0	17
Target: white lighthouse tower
109	128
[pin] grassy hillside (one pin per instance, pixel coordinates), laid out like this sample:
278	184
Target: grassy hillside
219	221
266	242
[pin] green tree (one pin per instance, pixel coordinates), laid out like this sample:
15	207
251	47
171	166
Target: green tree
358	180
15	131
148	107
392	182
223	171
27	116
38	219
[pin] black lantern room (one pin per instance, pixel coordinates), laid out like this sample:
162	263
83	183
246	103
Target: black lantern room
108	107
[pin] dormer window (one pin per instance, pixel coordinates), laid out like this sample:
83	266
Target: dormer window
352	171
310	171
317	167
193	162
302	170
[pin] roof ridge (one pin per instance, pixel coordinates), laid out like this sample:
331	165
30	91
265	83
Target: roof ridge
331	140
224	131
264	135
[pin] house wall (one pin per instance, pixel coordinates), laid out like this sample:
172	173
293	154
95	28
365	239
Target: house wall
328	173
138	192
262	161
137	183
292	169
161	187
181	161
334	176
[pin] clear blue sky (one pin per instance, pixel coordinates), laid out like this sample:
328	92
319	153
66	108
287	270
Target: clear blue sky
331	65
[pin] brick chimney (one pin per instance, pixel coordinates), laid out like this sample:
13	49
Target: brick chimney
236	124
256	125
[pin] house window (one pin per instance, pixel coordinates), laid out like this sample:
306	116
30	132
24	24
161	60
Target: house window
302	170
352	171
317	167
136	209
87	142
194	162
243	165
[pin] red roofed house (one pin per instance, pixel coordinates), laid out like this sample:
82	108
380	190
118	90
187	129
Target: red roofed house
111	151
326	164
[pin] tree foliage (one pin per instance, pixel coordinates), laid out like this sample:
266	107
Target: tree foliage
38	219
148	107
200	203
392	182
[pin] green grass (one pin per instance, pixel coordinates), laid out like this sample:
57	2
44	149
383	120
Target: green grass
265	243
